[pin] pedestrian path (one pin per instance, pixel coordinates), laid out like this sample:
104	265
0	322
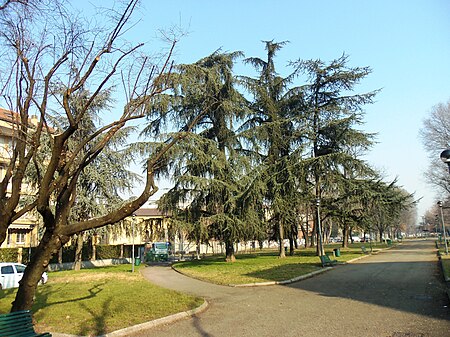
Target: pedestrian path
395	293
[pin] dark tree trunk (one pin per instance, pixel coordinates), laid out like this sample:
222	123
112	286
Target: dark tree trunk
49	245
291	246
229	251
345	236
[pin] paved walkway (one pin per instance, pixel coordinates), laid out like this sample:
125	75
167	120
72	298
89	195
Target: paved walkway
396	293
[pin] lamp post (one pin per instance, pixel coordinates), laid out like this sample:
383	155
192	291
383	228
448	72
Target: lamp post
132	242
445	157
443	227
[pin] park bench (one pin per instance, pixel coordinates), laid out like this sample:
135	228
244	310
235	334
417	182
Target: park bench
19	324
326	261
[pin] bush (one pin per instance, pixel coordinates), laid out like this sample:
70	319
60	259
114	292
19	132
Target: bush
107	252
69	254
9	254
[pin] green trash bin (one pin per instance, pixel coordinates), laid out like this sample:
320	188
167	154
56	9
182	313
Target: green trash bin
337	252
137	261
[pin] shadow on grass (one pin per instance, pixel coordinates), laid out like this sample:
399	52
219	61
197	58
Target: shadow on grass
98	322
42	297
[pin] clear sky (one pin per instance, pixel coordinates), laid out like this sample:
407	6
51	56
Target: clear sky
405	42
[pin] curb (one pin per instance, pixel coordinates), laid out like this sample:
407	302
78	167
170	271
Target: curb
295	279
271	283
147	325
302	277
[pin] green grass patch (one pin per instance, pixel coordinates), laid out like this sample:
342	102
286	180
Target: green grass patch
445	261
98	301
262	266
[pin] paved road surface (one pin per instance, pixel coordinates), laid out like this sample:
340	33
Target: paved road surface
397	293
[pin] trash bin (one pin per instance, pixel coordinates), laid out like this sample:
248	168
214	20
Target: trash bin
137	261
337	252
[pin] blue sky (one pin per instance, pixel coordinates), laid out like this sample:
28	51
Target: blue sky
405	42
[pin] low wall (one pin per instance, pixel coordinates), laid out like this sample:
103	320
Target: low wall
88	264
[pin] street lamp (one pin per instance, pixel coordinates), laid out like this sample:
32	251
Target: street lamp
132	242
443	227
445	157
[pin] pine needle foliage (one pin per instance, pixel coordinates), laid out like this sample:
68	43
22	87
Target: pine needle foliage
208	168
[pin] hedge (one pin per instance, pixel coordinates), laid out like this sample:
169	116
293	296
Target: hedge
103	252
9	254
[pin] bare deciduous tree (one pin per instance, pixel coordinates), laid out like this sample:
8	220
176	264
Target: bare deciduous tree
435	135
47	49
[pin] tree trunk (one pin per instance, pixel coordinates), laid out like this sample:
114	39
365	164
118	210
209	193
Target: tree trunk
49	245
94	248
281	241
78	251
291	246
313	235
305	235
60	255
307	241
229	252
197	250
345	236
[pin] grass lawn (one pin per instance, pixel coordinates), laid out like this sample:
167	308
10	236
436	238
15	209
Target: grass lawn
262	266
445	260
98	301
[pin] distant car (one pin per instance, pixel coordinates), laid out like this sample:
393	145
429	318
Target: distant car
11	273
356	239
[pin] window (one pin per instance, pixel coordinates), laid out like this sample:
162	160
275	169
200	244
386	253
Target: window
20	237
20	268
7	270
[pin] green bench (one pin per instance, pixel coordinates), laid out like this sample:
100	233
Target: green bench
364	250
19	324
326	261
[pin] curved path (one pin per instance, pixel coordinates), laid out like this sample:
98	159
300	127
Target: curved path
396	293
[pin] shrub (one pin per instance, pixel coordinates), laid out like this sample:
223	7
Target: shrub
9	254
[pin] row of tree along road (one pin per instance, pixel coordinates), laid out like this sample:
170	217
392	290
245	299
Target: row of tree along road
251	157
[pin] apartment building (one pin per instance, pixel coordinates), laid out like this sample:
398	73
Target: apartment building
24	231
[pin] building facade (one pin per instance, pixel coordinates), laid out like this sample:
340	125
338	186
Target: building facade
24	231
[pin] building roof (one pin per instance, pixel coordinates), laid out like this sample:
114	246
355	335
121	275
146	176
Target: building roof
6	115
11	117
150	212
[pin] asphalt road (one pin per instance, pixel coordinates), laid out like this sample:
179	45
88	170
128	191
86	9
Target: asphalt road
398	293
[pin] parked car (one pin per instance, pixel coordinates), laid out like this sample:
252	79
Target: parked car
356	239
11	273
